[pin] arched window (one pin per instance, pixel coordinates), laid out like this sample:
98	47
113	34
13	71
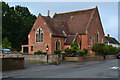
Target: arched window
57	44
97	36
90	43
102	40
39	35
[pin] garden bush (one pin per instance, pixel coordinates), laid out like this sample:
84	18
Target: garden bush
68	50
57	51
26	53
118	49
87	55
38	52
102	49
21	52
75	44
75	51
85	51
80	52
71	55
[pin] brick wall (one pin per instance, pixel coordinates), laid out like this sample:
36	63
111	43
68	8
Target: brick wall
89	58
47	37
56	59
35	58
53	44
50	58
110	56
84	41
10	55
95	25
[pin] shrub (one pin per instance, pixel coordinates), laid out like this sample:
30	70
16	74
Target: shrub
85	51
98	48
38	52
21	52
87	55
67	49
74	44
70	52
57	51
25	53
75	51
118	49
71	55
112	50
102	49
80	52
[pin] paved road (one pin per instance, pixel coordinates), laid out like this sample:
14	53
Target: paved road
91	69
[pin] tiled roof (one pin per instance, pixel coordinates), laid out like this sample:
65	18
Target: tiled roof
69	39
111	40
70	22
56	26
77	21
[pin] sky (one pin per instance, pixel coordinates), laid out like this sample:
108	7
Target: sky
108	11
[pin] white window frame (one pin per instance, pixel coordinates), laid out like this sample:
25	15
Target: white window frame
37	32
60	43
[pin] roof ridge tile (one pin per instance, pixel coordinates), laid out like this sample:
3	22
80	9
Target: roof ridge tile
75	11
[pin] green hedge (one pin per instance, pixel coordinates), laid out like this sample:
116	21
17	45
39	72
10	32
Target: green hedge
38	52
102	49
57	51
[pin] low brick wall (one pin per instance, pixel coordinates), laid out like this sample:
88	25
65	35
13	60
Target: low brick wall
72	58
56	59
7	55
12	63
110	57
89	58
35	58
52	59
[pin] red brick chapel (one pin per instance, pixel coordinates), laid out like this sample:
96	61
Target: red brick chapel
49	34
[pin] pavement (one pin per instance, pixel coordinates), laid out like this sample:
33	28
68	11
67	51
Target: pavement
89	69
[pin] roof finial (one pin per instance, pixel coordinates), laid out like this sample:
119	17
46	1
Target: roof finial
55	13
108	35
39	13
48	13
96	7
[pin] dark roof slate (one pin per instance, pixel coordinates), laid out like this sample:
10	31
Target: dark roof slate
69	39
111	40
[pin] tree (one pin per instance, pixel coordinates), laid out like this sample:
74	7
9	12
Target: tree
16	23
6	43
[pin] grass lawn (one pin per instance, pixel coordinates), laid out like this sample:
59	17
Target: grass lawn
35	61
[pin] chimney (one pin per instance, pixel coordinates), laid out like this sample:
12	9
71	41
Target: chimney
48	13
108	35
